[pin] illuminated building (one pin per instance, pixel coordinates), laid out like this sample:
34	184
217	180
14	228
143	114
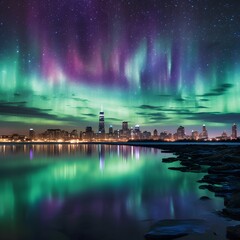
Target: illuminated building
137	128
53	134
163	135
31	134
234	131
181	133
89	134
110	130
101	128
224	136
125	126
74	134
137	132
204	134
146	135
125	132
155	134
195	135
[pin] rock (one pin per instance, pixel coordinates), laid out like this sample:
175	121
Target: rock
233	232
190	168
215	170
216	179
182	169
235	159
233	213
169	160
225	188
171	229
232	201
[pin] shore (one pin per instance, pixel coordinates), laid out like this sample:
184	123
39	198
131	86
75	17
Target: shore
221	163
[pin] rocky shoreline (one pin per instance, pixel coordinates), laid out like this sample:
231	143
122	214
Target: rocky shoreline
222	167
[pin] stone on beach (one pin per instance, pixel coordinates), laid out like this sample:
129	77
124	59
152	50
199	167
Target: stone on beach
233	232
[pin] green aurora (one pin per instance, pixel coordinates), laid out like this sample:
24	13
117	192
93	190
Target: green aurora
172	64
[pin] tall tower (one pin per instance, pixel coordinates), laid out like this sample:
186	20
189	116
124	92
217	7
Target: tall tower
125	126
101	127
181	133
204	132
234	131
31	134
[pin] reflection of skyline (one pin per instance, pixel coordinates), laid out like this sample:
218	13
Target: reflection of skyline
131	182
55	150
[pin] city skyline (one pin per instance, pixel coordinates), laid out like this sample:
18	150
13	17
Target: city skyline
128	132
159	64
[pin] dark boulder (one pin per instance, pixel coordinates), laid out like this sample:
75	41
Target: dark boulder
233	213
233	232
169	160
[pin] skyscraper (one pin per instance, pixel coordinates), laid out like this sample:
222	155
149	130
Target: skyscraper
180	133
125	126
234	131
204	134
101	128
110	130
31	134
195	135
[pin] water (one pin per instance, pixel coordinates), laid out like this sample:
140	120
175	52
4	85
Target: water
68	191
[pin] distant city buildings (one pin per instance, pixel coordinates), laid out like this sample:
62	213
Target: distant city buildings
234	131
181	133
101	126
195	135
204	134
32	134
123	134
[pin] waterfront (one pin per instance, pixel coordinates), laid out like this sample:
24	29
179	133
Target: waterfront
71	191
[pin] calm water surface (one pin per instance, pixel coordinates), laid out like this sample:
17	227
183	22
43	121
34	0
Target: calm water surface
95	192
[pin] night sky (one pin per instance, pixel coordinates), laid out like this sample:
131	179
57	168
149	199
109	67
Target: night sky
157	63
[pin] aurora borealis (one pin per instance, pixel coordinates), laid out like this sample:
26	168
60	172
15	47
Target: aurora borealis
157	63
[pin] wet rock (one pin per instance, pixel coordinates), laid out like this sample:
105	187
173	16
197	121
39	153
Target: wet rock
220	189
233	232
232	158
233	213
190	168
224	169
171	229
169	160
182	169
232	201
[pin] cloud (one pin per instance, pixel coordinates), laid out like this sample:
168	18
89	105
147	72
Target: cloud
114	119
20	110
220	90
90	114
177	110
159	118
80	99
156	116
200	107
13	103
149	107
180	99
216	117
